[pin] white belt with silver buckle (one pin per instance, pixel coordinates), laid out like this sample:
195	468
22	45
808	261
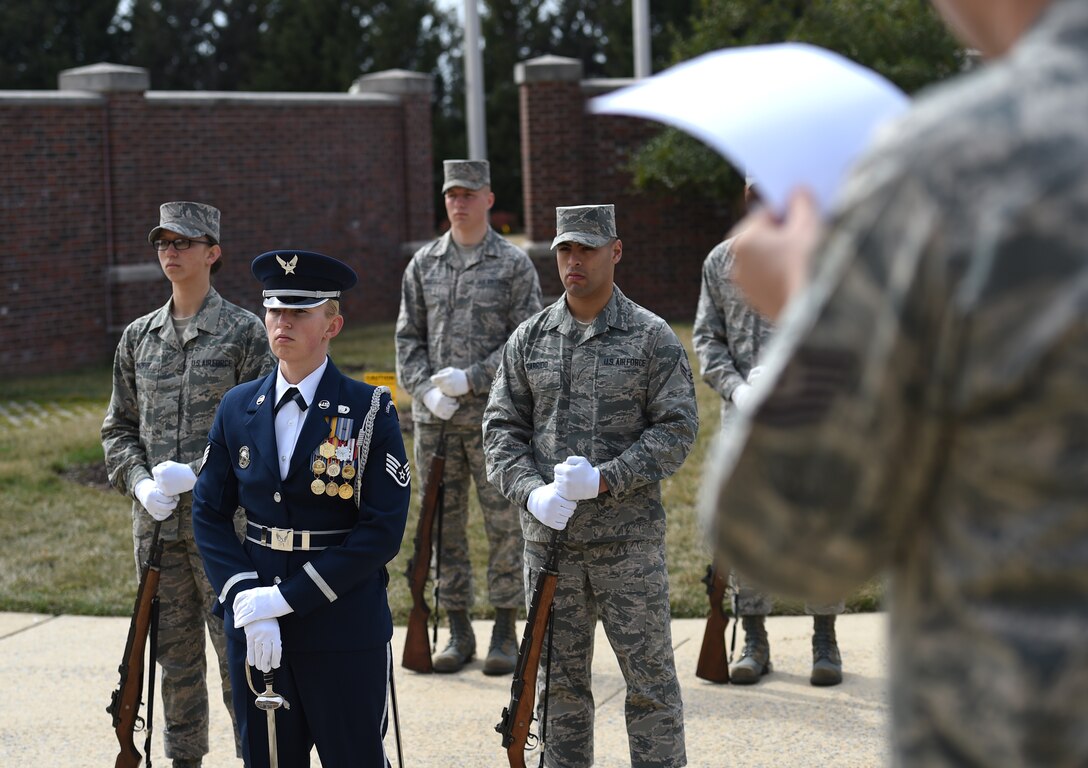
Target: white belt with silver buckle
283	539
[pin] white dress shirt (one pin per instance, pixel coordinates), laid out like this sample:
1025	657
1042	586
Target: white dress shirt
290	417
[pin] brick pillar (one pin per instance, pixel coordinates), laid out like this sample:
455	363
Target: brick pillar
551	108
123	87
414	91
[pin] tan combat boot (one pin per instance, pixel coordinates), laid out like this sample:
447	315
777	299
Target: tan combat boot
502	654
826	661
461	648
755	658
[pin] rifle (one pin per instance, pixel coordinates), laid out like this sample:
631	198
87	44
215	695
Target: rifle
713	664
417	650
125	701
518	714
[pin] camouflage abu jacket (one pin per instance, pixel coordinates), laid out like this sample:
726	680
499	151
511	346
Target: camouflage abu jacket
166	390
728	335
452	317
622	395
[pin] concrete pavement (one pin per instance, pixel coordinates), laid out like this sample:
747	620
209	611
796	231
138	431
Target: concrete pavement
58	673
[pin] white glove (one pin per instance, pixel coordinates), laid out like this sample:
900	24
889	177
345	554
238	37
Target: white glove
158	504
754	374
441	406
264	648
259	603
576	479
452	381
174	478
742	395
547	506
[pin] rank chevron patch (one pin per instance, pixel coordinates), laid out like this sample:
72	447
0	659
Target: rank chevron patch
401	473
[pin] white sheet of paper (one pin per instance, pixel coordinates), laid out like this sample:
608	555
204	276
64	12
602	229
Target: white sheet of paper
787	115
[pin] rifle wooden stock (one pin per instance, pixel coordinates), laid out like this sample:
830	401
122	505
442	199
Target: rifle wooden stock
125	701
517	716
713	664
417	649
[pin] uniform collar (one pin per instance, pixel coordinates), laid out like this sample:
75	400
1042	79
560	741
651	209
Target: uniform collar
488	246
616	314
308	386
206	319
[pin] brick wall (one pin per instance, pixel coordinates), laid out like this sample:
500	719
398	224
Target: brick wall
572	157
87	166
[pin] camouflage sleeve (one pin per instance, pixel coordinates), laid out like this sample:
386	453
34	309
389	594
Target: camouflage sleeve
673	418
413	362
525	302
813	492
126	460
709	333
508	429
256	361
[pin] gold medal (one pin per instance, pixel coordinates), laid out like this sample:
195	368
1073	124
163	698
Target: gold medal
333	469
346	491
348	471
327	450
332	489
319	466
317	487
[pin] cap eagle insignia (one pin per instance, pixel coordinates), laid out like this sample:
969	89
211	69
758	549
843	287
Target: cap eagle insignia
288	266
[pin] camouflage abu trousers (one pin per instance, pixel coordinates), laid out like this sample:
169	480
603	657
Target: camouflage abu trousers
465	463
749	601
185	602
626	584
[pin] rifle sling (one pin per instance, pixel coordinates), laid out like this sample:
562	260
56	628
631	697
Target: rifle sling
547	684
440	513
153	655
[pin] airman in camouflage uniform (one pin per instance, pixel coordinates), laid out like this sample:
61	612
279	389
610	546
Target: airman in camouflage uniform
461	297
593	405
923	408
728	336
170	371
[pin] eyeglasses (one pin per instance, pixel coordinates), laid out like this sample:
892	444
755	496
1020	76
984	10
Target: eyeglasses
181	244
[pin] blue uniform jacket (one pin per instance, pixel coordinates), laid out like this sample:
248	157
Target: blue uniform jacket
338	594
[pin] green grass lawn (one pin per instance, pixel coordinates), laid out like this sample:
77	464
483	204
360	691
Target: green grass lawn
67	543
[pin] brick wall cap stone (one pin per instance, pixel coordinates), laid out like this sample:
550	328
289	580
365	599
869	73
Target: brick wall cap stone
548	69
399	82
104	78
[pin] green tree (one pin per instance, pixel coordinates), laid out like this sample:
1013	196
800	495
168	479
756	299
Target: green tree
175	40
901	39
600	33
38	39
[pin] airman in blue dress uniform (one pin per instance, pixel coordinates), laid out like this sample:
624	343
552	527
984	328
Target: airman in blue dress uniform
317	462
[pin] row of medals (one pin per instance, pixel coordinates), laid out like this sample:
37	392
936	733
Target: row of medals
334	459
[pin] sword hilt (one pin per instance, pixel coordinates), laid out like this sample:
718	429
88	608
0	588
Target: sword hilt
267	699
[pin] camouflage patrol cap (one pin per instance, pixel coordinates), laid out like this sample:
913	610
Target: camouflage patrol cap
590	225
188	219
470	174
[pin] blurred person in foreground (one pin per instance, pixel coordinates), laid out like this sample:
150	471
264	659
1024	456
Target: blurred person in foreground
729	336
171	369
923	405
